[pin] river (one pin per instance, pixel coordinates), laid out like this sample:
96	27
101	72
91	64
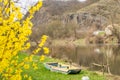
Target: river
92	56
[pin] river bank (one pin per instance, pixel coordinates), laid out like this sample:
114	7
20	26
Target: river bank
77	42
64	42
43	74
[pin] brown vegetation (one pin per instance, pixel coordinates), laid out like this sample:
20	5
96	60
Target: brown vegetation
72	19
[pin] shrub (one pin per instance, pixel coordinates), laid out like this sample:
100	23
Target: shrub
14	37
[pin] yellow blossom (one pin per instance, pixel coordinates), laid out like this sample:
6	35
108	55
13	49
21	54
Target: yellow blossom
31	58
18	71
30	78
34	66
9	70
26	66
14	37
42	57
46	50
19	16
25	76
37	50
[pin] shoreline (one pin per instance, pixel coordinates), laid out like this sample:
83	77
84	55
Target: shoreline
106	75
77	42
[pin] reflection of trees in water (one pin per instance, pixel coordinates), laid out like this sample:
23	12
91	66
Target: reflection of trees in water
85	55
107	54
116	51
111	58
63	52
115	61
82	55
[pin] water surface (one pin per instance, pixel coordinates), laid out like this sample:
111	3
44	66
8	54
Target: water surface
108	55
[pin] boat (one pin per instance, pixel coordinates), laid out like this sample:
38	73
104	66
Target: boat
62	68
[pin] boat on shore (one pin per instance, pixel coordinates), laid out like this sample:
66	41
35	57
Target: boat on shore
62	68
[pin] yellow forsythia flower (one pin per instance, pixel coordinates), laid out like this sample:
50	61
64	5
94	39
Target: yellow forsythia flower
31	58
25	76
14	35
30	78
46	50
37	50
42	57
26	66
35	66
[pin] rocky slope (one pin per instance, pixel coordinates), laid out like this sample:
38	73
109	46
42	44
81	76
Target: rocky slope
74	19
53	9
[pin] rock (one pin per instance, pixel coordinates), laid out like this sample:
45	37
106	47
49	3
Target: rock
85	78
85	20
108	30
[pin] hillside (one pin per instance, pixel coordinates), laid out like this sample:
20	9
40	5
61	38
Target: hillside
52	9
107	8
74	19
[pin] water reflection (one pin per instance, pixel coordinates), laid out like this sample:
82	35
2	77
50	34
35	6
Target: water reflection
108	55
